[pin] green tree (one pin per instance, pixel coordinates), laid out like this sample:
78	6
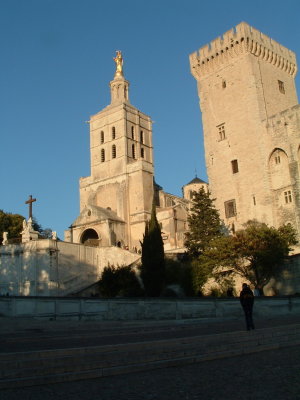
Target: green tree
153	260
204	223
256	252
200	274
11	223
205	226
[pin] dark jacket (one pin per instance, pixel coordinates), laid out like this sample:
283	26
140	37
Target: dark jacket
247	298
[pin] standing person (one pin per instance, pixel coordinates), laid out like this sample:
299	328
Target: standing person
247	300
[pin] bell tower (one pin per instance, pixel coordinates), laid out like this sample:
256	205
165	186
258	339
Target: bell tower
121	154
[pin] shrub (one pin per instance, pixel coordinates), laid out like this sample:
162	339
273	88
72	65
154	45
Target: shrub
180	273
119	281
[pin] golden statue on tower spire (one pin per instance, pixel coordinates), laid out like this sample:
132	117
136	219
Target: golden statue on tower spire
119	64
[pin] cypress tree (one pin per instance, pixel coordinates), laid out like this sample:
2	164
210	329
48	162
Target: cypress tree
153	261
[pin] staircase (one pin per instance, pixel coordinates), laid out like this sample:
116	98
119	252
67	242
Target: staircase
64	365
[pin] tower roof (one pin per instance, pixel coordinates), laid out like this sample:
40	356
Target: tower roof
196	180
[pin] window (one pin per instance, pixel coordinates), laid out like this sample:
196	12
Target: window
254	200
221	132
132	132
113	133
142	137
234	166
288	196
169	202
230	208
192	193
102	155
142	153
281	87
277	160
101	137
133	151
113	151
224	84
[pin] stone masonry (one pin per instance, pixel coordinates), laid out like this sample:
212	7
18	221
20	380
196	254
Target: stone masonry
250	114
116	199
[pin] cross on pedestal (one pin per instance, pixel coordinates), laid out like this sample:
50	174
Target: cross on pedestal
30	201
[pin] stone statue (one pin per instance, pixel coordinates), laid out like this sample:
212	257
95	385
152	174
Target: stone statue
54	235
119	63
29	224
5	240
28	232
24	224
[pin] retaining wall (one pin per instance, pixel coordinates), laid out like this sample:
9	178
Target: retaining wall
142	309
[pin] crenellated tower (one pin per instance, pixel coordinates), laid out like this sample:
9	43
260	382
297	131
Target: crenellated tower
246	86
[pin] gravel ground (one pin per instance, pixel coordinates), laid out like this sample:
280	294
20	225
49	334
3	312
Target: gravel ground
266	375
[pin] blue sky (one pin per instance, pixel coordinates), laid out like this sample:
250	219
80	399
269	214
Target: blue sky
55	67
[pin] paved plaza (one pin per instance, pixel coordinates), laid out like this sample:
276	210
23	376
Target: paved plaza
260	376
264	375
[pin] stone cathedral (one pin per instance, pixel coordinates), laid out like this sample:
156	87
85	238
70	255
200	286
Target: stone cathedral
251	124
116	199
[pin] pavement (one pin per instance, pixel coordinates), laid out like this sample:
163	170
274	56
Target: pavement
264	375
28	334
260	376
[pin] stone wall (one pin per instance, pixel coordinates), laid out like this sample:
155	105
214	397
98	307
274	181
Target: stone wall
142	309
54	268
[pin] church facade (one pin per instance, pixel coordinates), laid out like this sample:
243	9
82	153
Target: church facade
116	199
251	124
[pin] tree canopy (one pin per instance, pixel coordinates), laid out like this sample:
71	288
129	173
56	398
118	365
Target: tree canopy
153	261
204	223
256	252
11	223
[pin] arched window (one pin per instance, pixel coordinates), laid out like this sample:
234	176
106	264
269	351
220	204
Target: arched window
142	137
102	155
132	132
113	133
279	169
133	151
142	152
101	137
113	151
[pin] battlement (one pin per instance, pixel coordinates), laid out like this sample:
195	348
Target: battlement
237	41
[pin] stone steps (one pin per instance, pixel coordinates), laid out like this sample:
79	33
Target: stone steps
64	365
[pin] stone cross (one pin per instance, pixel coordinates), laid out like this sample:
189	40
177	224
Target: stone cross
30	201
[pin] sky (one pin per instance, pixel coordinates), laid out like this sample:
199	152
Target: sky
56	62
